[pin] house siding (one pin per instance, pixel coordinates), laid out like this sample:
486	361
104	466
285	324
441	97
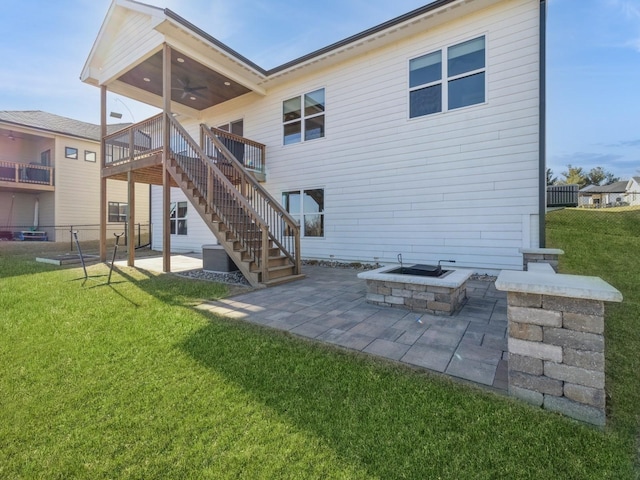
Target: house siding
127	47
78	192
457	185
198	232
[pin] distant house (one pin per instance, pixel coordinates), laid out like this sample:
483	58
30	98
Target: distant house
50	178
603	195
423	136
632	191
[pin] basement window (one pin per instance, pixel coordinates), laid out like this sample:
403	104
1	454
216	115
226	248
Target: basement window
178	218
307	205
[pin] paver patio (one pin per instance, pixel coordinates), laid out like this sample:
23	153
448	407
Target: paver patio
329	306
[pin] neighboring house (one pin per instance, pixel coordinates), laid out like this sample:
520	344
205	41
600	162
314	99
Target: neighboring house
611	195
50	178
632	191
422	136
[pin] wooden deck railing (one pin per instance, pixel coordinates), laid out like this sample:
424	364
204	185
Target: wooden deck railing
249	153
134	142
239	213
284	229
30	173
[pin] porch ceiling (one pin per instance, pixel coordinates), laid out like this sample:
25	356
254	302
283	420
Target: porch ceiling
186	74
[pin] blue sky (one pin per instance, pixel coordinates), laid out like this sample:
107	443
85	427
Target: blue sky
593	64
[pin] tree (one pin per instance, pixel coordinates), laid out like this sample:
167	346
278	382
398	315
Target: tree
551	180
596	176
574	175
600	176
611	179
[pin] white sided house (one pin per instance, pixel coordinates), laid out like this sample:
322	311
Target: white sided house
422	136
50	180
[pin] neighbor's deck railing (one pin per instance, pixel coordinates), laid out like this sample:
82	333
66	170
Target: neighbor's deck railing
26	173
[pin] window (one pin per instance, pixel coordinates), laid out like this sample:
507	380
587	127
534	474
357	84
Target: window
436	85
70	152
118	212
89	156
178	218
236	127
307	205
303	117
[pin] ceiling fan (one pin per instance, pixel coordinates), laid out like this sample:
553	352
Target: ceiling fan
187	90
12	136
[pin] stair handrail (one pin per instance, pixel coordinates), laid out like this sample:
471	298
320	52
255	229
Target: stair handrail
229	187
248	179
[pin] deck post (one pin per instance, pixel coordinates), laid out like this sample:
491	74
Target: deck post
166	178
131	217
103	179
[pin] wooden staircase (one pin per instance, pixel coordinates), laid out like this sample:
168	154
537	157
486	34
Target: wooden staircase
261	238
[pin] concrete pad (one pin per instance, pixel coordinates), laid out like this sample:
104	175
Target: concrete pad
179	263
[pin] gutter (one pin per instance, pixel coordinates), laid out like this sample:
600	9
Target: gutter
542	133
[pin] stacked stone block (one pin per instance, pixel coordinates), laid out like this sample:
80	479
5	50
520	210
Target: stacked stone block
540	255
416	297
556	354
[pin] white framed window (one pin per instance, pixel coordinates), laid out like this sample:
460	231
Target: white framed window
307	207
303	117
447	79
178	218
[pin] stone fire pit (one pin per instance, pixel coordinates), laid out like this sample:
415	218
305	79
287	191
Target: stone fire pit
442	295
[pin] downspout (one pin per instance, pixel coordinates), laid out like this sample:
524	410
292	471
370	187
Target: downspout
542	139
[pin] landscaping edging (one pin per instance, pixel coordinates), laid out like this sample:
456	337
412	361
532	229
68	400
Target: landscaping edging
556	340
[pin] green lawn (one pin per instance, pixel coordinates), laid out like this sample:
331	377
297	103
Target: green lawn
606	243
129	381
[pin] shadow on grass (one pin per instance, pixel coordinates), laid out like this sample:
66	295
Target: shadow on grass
392	420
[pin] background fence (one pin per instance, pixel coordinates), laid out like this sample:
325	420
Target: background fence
86	233
615	220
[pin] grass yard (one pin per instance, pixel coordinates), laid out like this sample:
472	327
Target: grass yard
129	381
606	243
